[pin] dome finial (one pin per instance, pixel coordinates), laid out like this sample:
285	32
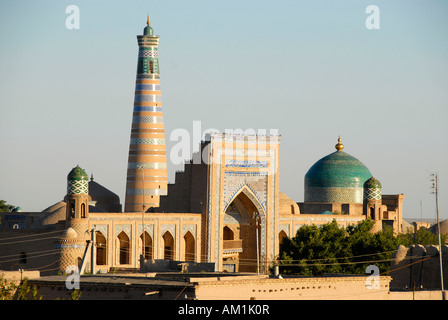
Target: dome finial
339	146
147	21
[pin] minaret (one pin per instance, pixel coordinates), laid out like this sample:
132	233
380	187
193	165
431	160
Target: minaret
147	176
74	240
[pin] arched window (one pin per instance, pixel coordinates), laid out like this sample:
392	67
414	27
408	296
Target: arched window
72	209
83	210
168	246
101	249
281	236
151	67
148	245
227	233
189	246
124	248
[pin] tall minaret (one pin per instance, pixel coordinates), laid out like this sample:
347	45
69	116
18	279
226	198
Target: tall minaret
147	176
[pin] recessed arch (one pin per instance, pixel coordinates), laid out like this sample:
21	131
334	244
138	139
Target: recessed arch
189	242
101	248
227	233
168	246
123	248
246	190
146	241
243	252
281	235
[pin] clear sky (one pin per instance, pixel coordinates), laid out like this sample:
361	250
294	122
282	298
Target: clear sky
309	69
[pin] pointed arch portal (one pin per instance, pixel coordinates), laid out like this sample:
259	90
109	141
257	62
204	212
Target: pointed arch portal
244	219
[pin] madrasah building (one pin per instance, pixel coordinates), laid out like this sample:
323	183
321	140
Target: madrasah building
224	209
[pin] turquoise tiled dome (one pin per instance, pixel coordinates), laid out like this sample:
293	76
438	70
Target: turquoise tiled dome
336	178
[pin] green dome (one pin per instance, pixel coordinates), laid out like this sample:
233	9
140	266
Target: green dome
148	29
77	173
336	178
372	183
77	181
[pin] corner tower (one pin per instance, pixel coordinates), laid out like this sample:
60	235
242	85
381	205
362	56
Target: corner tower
147	176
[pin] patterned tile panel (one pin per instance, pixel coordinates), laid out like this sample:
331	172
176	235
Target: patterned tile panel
77	187
147	141
235	181
334	195
147	119
372	193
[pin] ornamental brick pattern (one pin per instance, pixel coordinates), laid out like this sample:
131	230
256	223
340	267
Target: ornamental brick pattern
147	176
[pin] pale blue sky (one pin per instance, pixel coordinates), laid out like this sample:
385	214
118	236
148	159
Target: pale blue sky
310	69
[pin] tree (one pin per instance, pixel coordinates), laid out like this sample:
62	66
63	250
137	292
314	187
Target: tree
423	237
4	207
7	288
332	249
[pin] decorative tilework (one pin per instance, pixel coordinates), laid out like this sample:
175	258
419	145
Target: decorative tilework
254	181
146	192
147	119
146	76
103	229
372	193
334	195
149	228
147	141
232	218
123	227
147	98
168	227
191	228
149	165
77	187
285	228
246	164
147	87
148	53
148	109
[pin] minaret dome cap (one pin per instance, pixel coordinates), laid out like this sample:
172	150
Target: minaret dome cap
148	31
77	173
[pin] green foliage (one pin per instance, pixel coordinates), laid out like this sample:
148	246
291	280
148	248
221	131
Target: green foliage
331	249
75	295
423	237
7	288
25	291
4	207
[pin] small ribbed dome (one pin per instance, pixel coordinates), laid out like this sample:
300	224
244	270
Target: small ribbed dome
70	233
77	173
372	183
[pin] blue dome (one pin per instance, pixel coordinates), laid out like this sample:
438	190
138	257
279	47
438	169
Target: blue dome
336	178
